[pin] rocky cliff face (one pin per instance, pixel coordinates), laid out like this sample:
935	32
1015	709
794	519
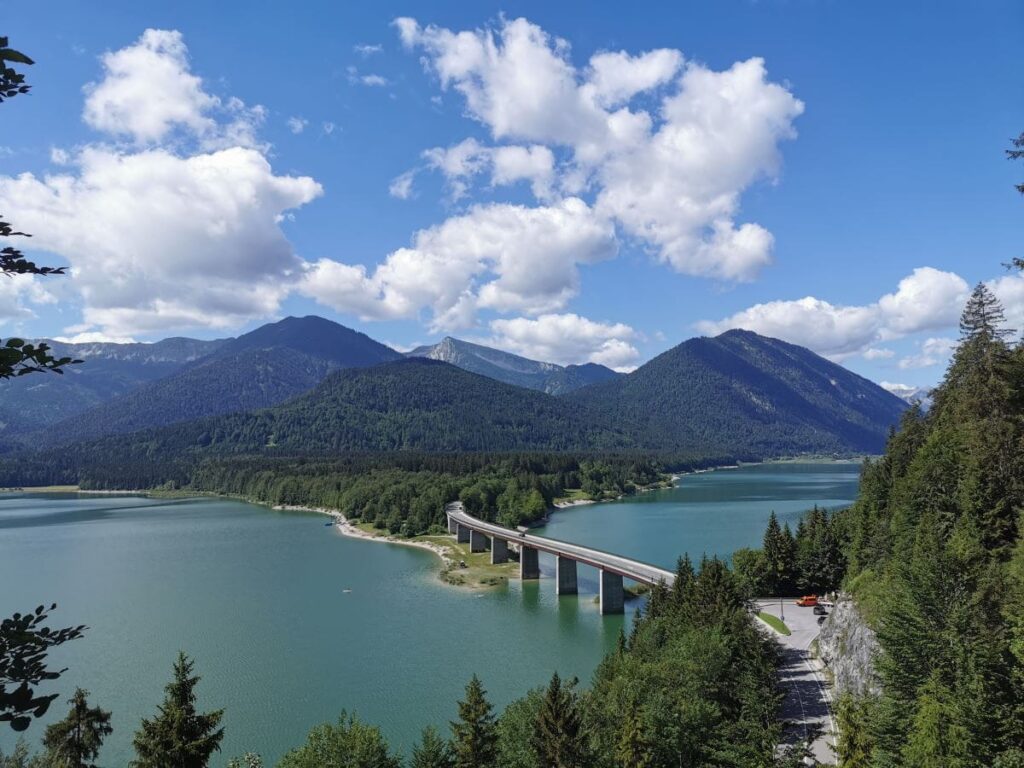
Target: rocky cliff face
848	647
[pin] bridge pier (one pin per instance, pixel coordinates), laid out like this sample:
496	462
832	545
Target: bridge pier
461	533
565	576
529	563
477	541
499	551
613	598
453	527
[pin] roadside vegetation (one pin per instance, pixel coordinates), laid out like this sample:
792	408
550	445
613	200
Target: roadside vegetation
774	622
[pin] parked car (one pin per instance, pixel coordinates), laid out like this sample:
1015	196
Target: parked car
819	610
807	601
821	619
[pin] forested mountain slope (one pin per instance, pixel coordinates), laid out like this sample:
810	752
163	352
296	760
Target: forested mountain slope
936	562
108	370
408	405
745	391
513	369
256	370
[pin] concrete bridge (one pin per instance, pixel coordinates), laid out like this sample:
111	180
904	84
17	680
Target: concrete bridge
481	535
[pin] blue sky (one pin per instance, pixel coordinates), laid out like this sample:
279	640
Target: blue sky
567	181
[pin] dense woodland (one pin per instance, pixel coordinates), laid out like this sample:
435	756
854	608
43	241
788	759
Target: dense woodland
408	496
744	392
933	554
936	559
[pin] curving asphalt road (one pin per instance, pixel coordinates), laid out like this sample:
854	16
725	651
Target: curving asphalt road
807	707
624	566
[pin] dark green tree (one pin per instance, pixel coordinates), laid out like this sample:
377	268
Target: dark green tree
474	738
558	735
983	316
634	749
75	741
347	744
780	556
24	645
515	732
179	736
432	751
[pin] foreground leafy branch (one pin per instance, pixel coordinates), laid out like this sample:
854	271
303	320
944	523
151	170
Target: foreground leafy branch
24	644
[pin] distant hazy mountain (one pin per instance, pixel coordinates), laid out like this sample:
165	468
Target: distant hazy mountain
258	369
109	370
513	369
922	395
745	391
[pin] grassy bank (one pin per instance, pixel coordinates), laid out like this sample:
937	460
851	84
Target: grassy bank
774	622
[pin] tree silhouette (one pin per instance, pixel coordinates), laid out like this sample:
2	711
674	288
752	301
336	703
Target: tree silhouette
75	741
24	644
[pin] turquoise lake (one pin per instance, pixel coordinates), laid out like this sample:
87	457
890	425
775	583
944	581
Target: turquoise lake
290	622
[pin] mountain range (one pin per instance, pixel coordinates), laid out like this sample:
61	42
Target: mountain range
513	369
308	385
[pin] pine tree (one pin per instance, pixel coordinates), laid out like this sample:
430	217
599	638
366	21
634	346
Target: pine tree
559	739
983	316
179	737
75	741
936	741
773	547
633	749
473	734
432	751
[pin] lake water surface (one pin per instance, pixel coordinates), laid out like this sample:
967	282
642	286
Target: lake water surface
290	622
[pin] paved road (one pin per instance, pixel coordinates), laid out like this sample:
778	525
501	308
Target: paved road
624	566
807	706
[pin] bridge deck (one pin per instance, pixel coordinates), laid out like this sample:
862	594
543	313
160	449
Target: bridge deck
636	570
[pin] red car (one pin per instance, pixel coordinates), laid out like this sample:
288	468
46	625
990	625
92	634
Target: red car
807	601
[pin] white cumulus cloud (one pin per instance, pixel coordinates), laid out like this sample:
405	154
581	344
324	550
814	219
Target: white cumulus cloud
930	352
502	257
670	177
927	299
148	91
567	339
178	227
158	241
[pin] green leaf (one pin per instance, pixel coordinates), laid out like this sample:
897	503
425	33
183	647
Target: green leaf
9	54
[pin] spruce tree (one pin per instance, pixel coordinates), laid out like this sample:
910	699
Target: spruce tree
75	741
773	547
559	739
179	737
633	749
473	734
432	751
983	316
935	740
